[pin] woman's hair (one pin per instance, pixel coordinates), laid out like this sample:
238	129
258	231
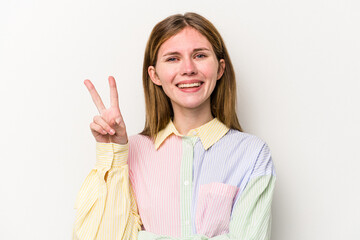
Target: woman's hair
159	110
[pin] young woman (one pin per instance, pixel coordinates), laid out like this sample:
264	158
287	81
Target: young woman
193	173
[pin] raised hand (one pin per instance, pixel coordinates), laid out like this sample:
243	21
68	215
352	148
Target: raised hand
109	126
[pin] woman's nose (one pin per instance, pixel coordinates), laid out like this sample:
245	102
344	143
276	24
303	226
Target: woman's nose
188	67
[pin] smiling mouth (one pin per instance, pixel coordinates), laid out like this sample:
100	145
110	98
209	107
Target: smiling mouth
189	85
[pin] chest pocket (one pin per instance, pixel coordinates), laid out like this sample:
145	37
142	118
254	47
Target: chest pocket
214	207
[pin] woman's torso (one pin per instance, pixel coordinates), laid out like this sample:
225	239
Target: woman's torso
189	184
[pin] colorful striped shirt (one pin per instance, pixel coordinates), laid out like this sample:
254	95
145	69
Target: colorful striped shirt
213	183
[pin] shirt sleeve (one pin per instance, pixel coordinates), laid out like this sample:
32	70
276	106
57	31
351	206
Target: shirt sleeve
106	207
251	215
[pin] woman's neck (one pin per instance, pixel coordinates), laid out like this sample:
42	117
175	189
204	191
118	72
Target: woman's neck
185	120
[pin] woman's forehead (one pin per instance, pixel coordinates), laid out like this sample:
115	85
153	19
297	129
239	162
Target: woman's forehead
187	40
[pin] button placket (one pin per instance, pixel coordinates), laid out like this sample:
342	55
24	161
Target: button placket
186	184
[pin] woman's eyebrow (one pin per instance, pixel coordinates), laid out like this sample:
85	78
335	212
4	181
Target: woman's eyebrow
200	49
177	53
171	53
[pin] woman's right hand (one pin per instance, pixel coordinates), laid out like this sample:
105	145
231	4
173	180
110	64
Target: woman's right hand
109	126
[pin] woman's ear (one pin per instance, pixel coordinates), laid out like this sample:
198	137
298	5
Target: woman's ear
154	77
221	68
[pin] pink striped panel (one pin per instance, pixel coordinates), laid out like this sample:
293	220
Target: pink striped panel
214	208
156	183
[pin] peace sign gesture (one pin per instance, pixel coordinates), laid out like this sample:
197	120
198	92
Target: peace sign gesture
109	125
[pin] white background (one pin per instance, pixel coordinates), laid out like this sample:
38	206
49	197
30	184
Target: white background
298	70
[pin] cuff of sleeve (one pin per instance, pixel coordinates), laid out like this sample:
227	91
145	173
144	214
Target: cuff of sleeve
111	155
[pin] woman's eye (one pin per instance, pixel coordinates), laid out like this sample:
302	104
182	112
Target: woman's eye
171	59
200	55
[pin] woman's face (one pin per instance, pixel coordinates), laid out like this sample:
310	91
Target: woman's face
187	69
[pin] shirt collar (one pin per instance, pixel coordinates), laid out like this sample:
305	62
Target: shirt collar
209	133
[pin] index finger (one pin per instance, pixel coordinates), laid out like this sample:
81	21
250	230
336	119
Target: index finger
114	99
95	96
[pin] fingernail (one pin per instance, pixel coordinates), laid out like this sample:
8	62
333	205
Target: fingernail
112	131
118	121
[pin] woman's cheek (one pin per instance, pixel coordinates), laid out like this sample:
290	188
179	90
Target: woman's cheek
167	74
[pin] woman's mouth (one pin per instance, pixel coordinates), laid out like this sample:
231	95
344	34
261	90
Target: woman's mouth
189	85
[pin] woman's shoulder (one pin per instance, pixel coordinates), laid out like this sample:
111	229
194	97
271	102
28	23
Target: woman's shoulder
252	148
140	139
239	138
140	145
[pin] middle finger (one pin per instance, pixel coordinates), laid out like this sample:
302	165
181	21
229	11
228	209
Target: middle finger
95	96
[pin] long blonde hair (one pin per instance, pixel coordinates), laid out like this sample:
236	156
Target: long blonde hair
159	110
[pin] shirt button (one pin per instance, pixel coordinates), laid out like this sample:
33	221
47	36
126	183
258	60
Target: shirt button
186	182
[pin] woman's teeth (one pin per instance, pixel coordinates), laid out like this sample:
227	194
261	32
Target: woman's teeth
189	85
